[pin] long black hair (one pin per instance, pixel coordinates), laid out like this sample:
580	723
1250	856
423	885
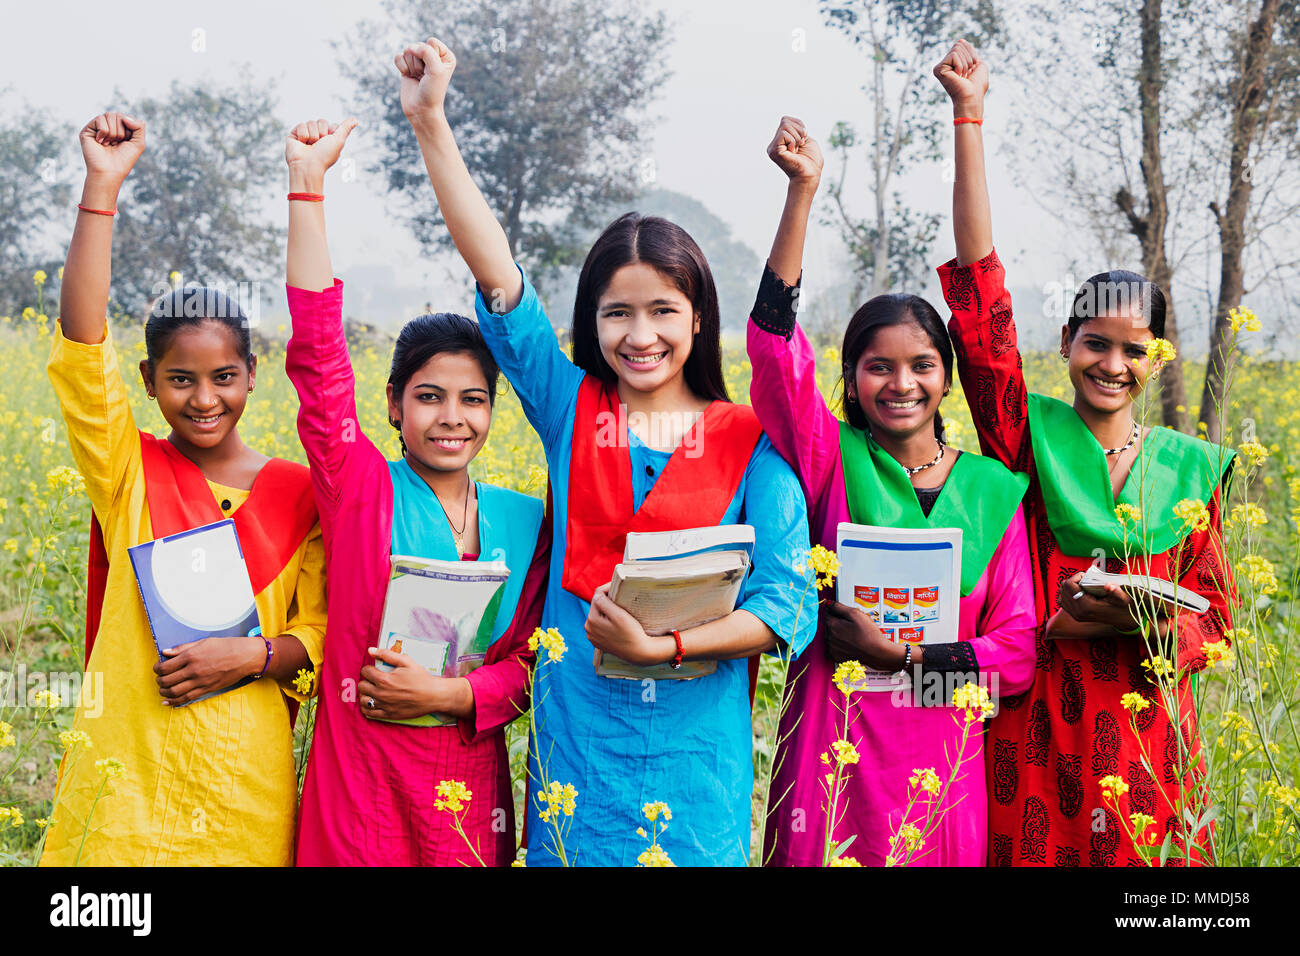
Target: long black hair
428	335
894	308
191	306
667	247
1116	292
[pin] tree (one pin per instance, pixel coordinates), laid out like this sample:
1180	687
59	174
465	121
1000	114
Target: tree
1150	224
1263	104
33	194
547	104
901	39
188	205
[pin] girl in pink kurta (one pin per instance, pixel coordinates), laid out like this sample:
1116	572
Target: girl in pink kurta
371	788
894	737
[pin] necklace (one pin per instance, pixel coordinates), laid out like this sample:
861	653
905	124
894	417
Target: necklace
1127	445
929	464
459	535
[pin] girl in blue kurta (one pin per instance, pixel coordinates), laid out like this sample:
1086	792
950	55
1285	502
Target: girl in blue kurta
638	435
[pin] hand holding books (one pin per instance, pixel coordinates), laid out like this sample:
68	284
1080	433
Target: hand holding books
408	690
851	635
1092	604
615	631
198	668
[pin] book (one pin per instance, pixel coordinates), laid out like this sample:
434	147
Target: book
674	580
906	580
195	585
442	615
1094	582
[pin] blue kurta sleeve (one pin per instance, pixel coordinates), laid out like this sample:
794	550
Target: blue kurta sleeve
524	346
774	504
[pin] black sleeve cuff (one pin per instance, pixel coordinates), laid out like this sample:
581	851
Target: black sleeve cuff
956	661
774	309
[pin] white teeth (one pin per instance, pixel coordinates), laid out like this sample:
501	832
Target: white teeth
644	359
1109	386
449	442
205	421
913	403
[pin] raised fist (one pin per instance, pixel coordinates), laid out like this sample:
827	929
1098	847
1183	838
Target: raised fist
317	143
426	70
110	145
965	77
795	151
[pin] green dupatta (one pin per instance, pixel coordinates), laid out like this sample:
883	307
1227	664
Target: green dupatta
1075	482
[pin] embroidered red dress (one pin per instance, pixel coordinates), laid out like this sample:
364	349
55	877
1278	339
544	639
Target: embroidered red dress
1048	748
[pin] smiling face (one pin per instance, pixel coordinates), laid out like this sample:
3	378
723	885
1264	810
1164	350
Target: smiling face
1108	360
201	382
444	411
645	326
899	381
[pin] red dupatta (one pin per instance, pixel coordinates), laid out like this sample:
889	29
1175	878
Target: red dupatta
279	513
694	490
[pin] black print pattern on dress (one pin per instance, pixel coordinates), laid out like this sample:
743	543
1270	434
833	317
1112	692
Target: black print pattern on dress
1103	843
1072	694
1101	655
1105	744
1141	790
1001	849
1170	773
1145	718
1005	774
1069	782
1033	831
1067	856
1038	735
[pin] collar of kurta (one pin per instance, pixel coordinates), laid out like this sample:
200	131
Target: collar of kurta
693	491
980	497
1075	479
271	524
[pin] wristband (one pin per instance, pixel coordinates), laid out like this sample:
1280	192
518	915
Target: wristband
270	651
967	119
307	197
97	212
677	658
907	660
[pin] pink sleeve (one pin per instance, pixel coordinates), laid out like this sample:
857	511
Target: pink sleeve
1008	621
501	685
317	362
790	407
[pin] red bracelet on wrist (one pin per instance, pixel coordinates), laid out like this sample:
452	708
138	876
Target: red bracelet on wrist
97	212
307	197
967	119
677	658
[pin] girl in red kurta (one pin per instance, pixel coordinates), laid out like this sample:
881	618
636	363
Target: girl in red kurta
1049	748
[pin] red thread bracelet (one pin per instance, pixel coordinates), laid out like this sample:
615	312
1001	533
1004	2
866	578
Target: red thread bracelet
677	658
97	212
307	197
967	119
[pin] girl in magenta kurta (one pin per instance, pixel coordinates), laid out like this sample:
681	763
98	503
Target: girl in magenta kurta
370	791
996	630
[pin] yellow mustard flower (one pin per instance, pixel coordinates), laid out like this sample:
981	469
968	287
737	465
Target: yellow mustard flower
848	676
1161	350
825	564
845	752
652	811
303	681
974	700
1217	652
1243	318
654	855
1194	515
39	277
12	815
1127	514
7	738
110	767
1134	702
1158	667
74	738
845	861
1140	822
47	698
551	640
1247	515
453	795
1259	572
1113	786
926	780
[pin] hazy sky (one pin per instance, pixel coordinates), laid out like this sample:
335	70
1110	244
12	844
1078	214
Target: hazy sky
735	71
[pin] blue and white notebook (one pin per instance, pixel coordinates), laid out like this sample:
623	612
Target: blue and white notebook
195	585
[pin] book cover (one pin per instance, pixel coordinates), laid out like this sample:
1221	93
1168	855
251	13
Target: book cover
442	615
195	585
906	580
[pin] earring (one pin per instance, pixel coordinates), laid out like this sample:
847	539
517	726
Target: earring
1065	356
151	395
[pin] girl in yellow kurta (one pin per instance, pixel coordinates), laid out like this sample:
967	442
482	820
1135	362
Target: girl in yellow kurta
212	782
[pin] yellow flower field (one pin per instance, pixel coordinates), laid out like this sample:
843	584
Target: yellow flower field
1248	719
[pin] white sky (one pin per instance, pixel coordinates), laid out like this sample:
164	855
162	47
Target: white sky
735	73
